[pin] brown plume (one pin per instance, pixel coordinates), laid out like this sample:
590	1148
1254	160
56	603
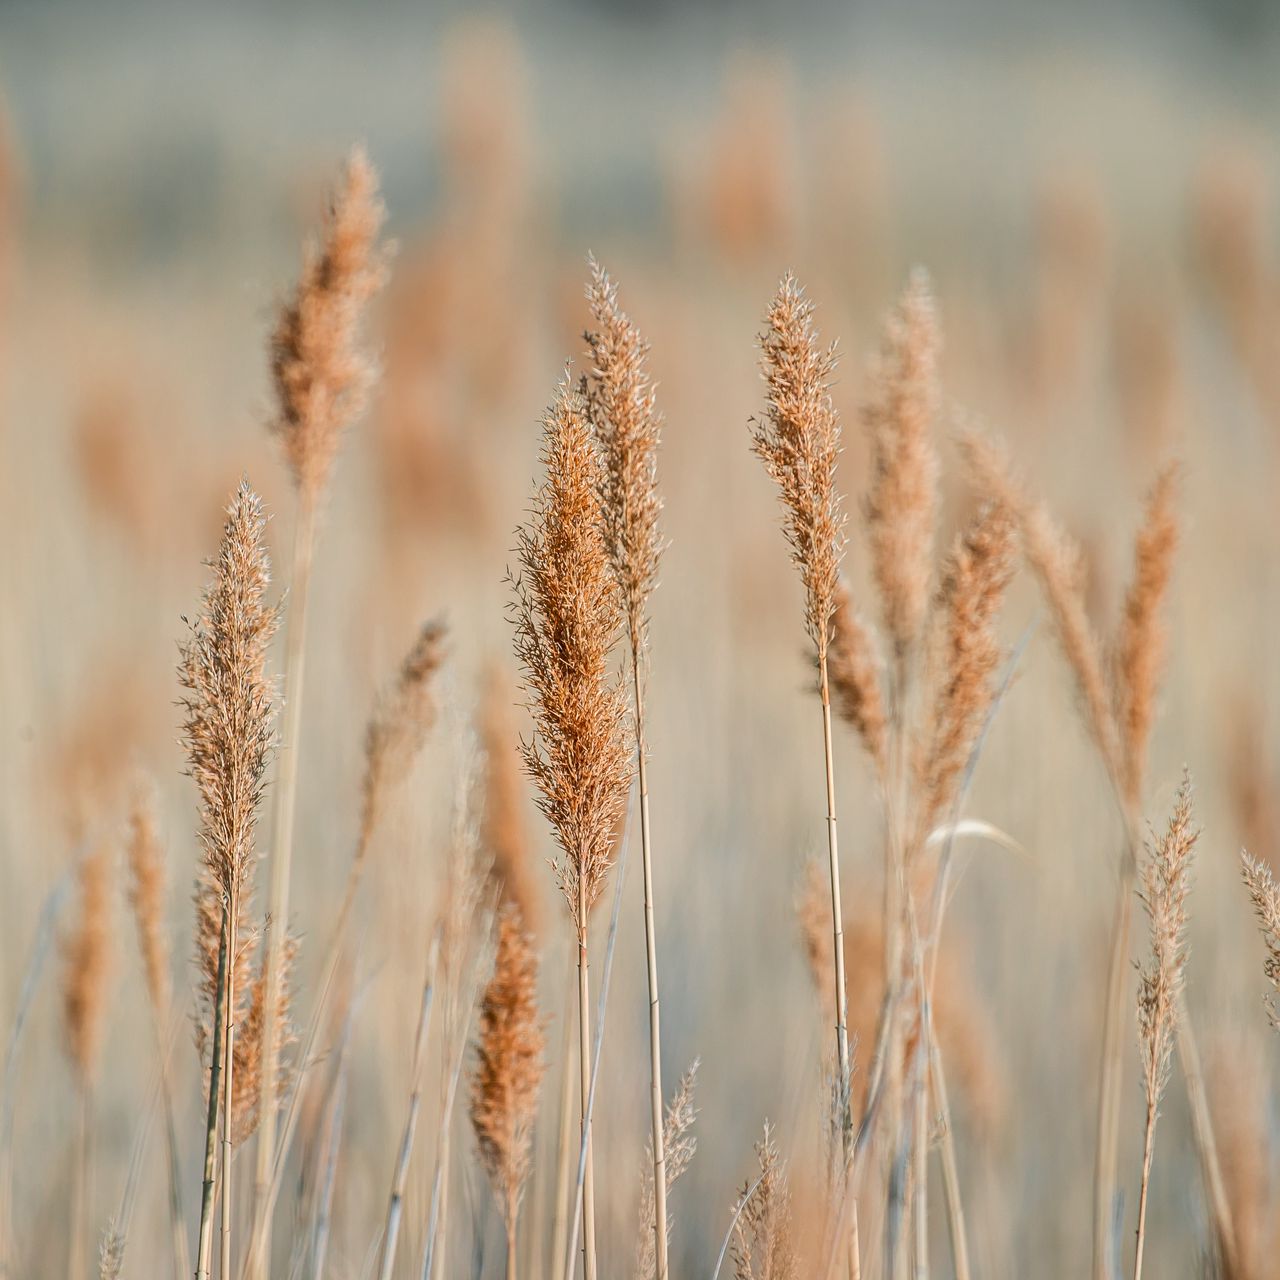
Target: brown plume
567	617
903	499
321	376
87	959
855	677
798	440
147	891
509	1066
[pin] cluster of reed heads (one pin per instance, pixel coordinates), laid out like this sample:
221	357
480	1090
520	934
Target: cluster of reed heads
917	671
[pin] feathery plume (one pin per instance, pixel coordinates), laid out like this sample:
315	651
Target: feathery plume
147	897
252	1023
902	503
1141	644
1165	881
798	440
680	1145
503	833
1166	876
624	416
509	1068
227	702
762	1245
321	376
1264	893
855	677
397	729
567	616
1059	567
975	578
87	957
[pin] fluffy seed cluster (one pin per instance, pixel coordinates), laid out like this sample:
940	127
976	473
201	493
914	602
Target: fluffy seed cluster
1141	644
321	376
624	416
798	440
228	697
1166	880
762	1244
567	617
679	1147
1059	567
504	834
1264	893
855	677
509	1065
902	502
398	727
975	577
147	896
251	1032
87	958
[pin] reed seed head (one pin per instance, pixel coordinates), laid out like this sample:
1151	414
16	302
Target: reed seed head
762	1237
1140	647
567	614
228	697
678	1148
798	440
622	404
87	960
1264	894
398	728
147	891
901	506
1166	880
975	577
321	375
509	1065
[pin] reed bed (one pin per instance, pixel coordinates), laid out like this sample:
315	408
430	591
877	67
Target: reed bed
440	1031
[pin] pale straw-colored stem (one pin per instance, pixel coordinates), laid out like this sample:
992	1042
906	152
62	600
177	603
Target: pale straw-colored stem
651	954
228	1073
204	1257
565	1144
76	1252
281	865
584	1081
400	1177
1148	1143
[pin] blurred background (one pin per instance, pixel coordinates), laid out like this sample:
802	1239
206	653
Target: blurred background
1091	187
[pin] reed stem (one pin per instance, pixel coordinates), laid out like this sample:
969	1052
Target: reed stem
228	1082
281	865
204	1257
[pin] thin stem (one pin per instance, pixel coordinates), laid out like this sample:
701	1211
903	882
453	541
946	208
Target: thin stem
560	1230
584	1079
510	1216
228	1073
651	953
80	1184
395	1204
204	1256
1148	1144
281	860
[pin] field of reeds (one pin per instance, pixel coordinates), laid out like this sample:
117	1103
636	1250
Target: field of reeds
597	684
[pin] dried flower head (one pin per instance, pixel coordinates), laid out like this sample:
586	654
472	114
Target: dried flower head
854	673
1166	879
1265	896
251	1028
798	440
903	499
1059	566
975	577
762	1236
509	1065
1140	647
227	701
321	375
567	616
678	1146
87	958
504	834
398	728
624	416
147	896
